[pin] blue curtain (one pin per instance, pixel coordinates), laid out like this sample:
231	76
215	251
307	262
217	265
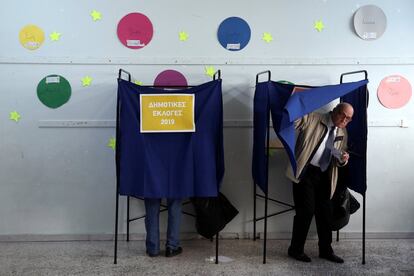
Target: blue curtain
285	108
356	171
170	165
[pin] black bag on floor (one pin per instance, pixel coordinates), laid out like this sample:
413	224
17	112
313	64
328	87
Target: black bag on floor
212	214
343	205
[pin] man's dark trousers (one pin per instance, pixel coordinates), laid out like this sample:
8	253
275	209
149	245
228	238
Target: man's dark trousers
312	197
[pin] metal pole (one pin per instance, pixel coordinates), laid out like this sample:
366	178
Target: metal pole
128	219
217	244
116	226
254	211
363	229
267	182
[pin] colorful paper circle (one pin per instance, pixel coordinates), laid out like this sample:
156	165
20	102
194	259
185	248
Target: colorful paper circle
135	30
31	37
170	78
54	91
234	33
394	91
370	22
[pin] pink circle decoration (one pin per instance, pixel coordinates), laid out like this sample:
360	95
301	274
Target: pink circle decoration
394	91
135	30
170	78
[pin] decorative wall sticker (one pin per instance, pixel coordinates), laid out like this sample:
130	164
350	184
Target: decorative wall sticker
31	37
86	81
96	15
112	143
234	33
14	116
135	30
170	77
55	36
209	71
267	37
370	22
394	91
318	25
54	91
183	36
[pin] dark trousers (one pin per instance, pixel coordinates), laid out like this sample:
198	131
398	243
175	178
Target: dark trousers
312	197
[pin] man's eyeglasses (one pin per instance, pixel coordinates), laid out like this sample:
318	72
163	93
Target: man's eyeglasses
346	117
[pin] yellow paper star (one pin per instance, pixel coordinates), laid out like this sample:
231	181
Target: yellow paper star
267	37
318	25
55	36
137	82
112	143
183	36
96	15
210	71
15	116
86	81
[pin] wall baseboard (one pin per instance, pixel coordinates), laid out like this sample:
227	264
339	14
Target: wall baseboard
195	236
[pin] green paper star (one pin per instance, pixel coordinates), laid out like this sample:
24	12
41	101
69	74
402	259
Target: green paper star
137	82
267	37
96	15
210	71
112	143
183	36
15	116
86	81
55	36
318	25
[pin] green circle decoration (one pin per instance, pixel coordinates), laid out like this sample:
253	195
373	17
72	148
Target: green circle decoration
54	91
285	82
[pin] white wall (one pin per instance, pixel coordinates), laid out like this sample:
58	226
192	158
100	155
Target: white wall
62	180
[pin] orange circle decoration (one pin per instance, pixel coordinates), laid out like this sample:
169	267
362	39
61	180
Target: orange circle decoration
394	91
31	37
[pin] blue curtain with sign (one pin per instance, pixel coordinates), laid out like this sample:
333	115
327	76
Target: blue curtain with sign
285	107
170	165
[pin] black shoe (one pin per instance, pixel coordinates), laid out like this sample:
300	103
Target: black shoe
332	257
300	257
152	254
169	252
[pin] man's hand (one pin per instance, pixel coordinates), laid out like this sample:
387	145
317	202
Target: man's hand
344	157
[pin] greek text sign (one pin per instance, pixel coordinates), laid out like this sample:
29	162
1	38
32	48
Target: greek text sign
167	113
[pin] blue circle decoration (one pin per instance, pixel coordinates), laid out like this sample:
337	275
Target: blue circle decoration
234	33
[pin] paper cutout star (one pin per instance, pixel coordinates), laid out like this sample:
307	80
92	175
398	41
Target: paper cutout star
210	71
86	81
112	143
318	25
267	37
15	116
55	36
183	36
96	15
137	82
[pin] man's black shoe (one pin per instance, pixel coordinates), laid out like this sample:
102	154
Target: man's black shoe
169	252
152	254
300	257
332	257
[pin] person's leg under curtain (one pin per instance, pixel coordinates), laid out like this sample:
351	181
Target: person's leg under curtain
174	222
152	209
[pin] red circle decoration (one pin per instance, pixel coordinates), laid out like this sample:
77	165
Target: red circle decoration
170	77
394	91
135	30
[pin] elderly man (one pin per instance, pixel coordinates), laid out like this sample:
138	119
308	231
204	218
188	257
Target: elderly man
320	148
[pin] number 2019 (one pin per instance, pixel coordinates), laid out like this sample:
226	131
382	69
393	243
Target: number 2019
167	121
